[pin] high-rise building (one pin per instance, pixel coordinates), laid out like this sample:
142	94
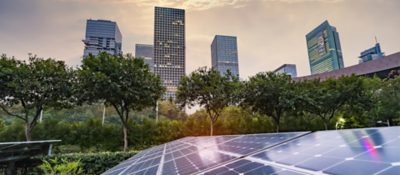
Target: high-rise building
224	54
371	54
289	69
102	36
169	47
146	52
324	51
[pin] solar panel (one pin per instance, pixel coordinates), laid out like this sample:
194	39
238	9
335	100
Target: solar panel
194	154
356	151
353	151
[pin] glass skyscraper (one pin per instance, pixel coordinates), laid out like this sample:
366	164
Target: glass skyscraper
324	51
289	69
371	53
102	36
224	54
169	47
146	52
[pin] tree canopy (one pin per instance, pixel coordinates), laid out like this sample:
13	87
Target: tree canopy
209	89
125	83
269	94
27	88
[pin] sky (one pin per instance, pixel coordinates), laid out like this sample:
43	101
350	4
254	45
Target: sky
269	32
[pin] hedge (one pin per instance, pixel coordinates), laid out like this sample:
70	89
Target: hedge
95	163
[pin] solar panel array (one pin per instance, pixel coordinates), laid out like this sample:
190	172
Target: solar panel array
355	151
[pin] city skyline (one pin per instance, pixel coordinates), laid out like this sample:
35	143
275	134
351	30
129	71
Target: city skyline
33	27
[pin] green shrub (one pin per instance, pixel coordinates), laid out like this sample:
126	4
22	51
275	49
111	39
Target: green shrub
93	163
60	167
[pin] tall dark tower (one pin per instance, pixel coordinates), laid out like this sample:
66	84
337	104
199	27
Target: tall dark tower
169	47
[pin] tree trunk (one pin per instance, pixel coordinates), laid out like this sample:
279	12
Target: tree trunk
28	132
277	127
211	128
326	125
125	130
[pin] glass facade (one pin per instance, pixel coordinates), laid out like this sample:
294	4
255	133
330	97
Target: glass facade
289	69
146	52
224	54
371	53
324	51
169	47
102	36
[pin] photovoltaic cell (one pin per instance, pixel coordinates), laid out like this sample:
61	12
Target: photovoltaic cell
195	154
355	151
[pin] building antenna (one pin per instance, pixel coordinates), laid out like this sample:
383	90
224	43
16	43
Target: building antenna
376	40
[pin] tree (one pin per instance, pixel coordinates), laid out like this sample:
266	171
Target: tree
388	97
269	94
326	98
122	82
209	89
170	110
27	88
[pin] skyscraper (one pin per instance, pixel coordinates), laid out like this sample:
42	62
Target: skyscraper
289	69
169	47
224	54
371	54
324	51
146	52
102	36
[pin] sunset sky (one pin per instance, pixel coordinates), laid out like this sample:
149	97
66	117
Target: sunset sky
270	32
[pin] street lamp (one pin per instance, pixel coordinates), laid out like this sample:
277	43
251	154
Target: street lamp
340	123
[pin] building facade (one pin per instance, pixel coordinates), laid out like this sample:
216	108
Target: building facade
382	68
169	47
102	36
324	50
289	69
371	53
146	52
224	54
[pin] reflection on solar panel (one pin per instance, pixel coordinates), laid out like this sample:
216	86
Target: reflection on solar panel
355	151
194	154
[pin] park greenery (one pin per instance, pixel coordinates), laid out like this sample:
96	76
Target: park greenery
71	102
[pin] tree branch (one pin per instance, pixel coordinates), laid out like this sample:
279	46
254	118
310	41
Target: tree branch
11	114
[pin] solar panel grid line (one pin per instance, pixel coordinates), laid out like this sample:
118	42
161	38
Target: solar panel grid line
383	170
134	163
160	166
292	168
372	149
254	152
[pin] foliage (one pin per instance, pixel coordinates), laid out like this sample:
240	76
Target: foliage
269	94
124	83
170	110
27	88
89	163
326	98
209	89
60	167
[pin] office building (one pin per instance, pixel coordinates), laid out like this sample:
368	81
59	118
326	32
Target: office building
371	54
324	51
224	54
102	36
169	47
146	52
289	69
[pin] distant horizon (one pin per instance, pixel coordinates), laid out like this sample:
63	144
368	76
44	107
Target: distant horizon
270	33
